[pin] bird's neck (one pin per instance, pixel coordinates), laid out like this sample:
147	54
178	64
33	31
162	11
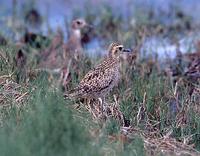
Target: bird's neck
76	33
116	58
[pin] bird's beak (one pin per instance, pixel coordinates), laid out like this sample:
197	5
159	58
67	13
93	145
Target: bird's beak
126	50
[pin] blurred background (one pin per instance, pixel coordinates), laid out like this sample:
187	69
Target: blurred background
166	21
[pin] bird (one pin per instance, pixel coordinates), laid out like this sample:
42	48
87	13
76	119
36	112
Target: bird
73	47
59	54
100	80
52	57
73	51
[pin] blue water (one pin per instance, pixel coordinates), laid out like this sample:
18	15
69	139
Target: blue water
58	13
55	12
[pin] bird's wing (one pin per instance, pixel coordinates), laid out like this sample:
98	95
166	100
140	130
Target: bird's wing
95	81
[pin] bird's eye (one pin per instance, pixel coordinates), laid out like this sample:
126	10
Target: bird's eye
120	48
78	22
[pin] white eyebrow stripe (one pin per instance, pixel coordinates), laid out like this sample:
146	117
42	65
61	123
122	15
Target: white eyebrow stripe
119	46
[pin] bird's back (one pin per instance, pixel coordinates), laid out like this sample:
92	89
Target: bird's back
99	81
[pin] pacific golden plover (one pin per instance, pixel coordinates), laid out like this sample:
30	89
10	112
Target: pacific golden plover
99	81
52	56
73	47
59	54
72	51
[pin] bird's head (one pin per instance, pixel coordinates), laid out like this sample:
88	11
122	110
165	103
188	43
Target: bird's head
78	24
116	49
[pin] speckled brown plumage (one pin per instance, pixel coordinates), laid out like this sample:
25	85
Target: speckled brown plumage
99	81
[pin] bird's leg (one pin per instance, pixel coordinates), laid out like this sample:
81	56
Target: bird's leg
101	100
102	103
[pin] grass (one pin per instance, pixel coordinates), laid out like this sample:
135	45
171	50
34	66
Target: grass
43	127
46	124
36	120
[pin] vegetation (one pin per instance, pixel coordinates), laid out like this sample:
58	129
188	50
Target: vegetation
152	112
